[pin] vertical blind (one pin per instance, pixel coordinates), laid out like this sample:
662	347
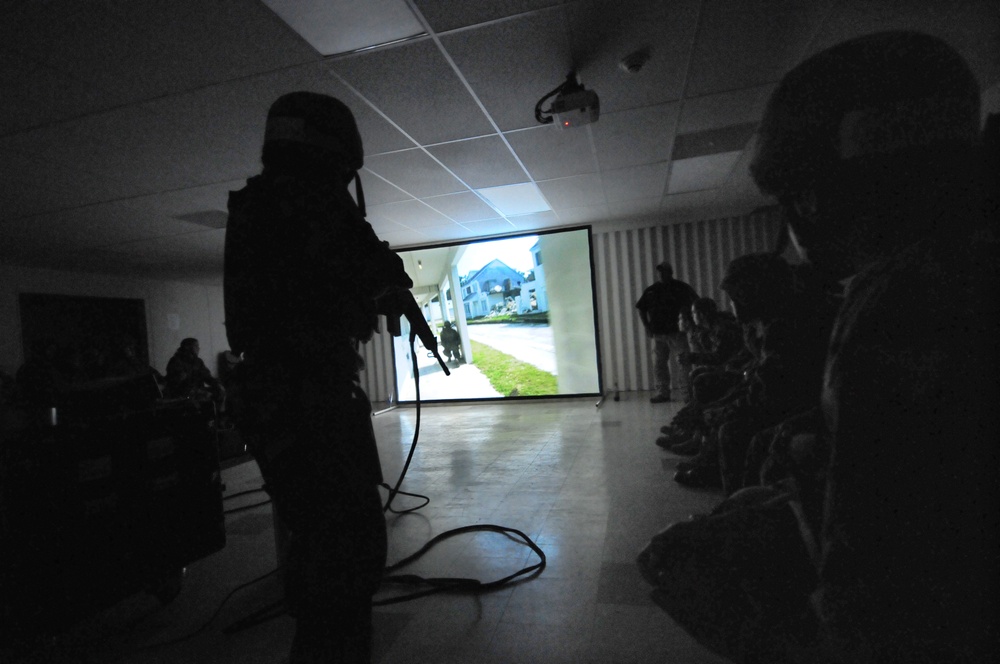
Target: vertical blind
624	264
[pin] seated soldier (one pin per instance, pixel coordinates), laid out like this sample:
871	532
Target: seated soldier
792	324
872	149
697	340
720	335
189	378
719	371
126	363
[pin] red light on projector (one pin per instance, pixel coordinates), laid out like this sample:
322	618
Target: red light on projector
566	123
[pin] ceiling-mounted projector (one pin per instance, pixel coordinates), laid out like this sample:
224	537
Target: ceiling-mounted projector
573	105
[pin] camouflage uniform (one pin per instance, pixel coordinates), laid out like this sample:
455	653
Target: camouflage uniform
909	528
302	272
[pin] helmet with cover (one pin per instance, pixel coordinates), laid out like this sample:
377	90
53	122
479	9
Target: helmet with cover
311	130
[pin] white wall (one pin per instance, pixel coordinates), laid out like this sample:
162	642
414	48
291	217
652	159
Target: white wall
197	308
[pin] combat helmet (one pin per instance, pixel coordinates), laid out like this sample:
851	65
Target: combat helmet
874	95
319	121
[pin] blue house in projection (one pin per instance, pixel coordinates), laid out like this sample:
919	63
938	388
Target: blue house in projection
489	287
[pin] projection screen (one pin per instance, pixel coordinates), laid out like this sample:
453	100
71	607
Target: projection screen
524	311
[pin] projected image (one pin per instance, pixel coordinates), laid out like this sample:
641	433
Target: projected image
514	318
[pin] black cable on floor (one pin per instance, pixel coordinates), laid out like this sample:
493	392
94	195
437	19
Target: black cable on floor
426	500
416	431
204	626
434	584
441	584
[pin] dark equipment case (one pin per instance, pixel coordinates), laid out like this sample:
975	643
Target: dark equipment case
100	500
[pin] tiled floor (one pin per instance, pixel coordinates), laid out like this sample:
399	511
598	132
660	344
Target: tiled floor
585	482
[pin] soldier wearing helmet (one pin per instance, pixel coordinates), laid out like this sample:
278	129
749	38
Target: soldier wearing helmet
872	148
304	273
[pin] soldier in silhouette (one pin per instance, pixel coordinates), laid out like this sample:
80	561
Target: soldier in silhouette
304	274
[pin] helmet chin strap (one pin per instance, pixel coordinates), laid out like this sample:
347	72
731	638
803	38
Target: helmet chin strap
360	193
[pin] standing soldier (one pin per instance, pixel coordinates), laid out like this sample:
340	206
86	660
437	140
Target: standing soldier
659	306
303	271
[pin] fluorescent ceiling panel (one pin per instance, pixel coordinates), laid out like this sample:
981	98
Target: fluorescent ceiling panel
513	199
358	23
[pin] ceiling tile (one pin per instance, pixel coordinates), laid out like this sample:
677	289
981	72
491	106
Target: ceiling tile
688	200
404	238
185	201
197	43
414	214
511	65
182	246
605	31
637	182
551	152
443	233
515	198
206	218
378	134
378	191
573	192
98	143
101	226
383	226
480	162
95	48
414	172
490	227
462	207
635	207
724	109
733	138
536	221
706	204
630	138
79	40
36	185
35	94
708	172
415	86
584	215
445	15
376	214
360	26
743	43
30	251
232	115
24	201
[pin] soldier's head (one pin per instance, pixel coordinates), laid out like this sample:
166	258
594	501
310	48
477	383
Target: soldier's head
684	321
190	345
312	135
704	311
759	285
666	271
863	136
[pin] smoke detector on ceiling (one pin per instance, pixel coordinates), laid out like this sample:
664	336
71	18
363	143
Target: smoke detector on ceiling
573	105
635	61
